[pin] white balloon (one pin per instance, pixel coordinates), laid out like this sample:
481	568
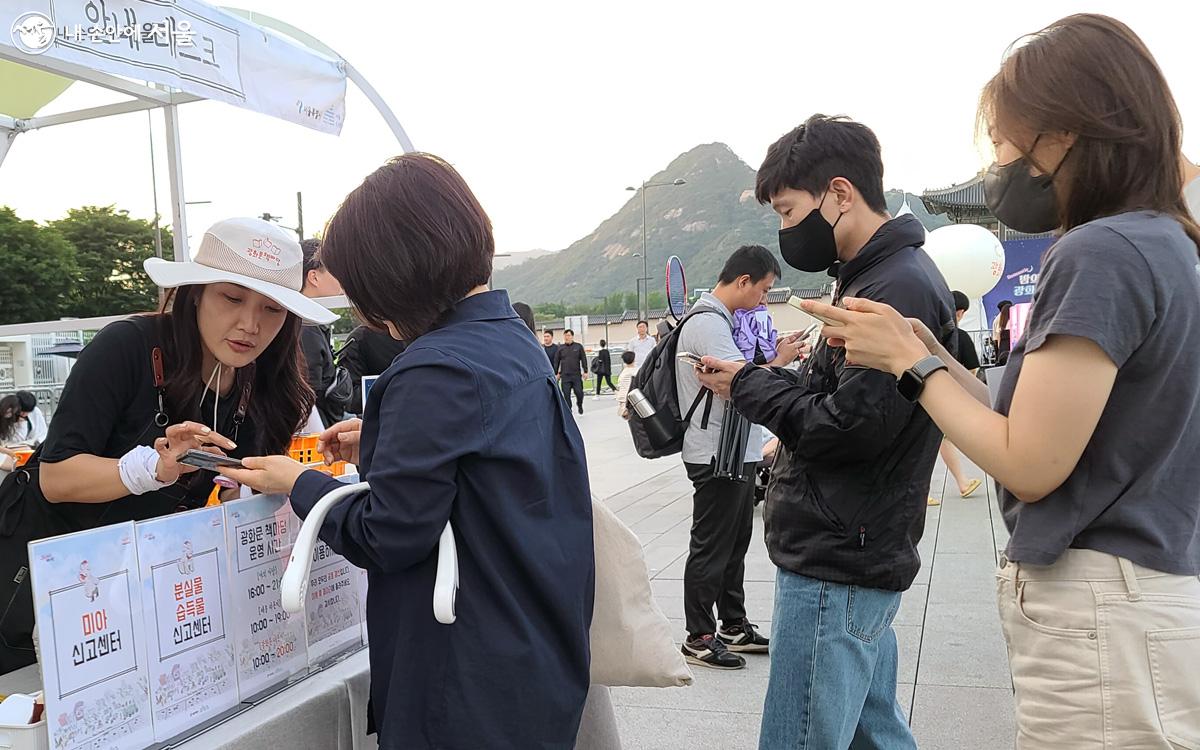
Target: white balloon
969	256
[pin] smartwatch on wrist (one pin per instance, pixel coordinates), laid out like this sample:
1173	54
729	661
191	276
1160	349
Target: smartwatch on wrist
912	382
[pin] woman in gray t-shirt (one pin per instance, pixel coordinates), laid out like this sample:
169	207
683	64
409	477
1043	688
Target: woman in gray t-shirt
1095	437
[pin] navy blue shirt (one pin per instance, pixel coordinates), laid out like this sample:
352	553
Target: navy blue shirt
468	425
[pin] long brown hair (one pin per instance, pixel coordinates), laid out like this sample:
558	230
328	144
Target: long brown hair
10	415
281	398
1089	75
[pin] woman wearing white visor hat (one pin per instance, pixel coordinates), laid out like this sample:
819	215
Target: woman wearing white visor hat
217	369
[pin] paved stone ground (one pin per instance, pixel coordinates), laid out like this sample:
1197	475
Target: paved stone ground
954	679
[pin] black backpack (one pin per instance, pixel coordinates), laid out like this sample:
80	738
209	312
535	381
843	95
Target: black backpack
656	380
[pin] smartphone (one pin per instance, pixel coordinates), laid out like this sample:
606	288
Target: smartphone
795	302
692	359
210	461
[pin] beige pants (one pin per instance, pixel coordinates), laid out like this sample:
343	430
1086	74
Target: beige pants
1104	653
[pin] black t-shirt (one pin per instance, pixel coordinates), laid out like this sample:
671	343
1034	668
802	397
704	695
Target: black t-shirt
108	407
966	355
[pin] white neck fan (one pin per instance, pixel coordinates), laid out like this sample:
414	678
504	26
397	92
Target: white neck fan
294	585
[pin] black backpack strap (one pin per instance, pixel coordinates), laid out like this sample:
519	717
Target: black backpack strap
696	404
704	394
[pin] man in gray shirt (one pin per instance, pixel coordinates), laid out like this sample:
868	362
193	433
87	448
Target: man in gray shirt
723	506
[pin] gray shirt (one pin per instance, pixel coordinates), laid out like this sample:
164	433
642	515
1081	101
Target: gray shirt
1130	283
708	335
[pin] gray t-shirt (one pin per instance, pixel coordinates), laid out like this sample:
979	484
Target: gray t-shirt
1130	283
708	335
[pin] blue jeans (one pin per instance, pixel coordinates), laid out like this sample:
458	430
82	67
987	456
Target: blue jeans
833	669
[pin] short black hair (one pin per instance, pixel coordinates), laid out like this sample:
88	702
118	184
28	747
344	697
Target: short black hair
643	323
960	301
28	400
526	314
603	343
810	156
629	357
754	261
568	331
311	249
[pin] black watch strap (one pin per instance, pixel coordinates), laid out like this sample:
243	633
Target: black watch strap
912	382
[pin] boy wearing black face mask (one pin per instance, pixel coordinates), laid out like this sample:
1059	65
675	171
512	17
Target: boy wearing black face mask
847	505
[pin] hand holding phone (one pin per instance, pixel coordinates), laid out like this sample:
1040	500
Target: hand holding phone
795	302
692	359
211	461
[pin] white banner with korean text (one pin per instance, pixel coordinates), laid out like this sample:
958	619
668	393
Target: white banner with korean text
187	45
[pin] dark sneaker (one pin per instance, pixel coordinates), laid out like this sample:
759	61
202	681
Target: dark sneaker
709	651
744	638
581	409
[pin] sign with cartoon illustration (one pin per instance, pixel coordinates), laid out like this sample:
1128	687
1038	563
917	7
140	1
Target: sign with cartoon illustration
184	578
92	639
270	644
334	607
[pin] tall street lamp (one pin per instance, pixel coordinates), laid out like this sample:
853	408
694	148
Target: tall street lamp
645	268
605	300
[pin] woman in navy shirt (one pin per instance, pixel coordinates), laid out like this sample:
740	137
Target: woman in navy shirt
467	426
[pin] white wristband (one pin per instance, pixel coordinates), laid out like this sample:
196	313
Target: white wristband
137	468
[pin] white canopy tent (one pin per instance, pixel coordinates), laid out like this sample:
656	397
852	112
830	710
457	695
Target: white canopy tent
163	55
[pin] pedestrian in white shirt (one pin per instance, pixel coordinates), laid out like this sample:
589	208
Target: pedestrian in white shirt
642	344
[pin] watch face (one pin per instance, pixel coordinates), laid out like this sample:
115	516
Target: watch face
910	385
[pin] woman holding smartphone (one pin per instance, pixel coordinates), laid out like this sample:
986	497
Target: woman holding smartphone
485	442
1096	430
217	369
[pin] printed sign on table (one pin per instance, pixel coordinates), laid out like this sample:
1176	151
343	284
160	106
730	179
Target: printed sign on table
270	643
185	600
87	598
334	605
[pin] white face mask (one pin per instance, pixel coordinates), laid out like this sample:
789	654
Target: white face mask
216	374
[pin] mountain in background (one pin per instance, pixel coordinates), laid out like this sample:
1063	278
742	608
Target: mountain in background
702	222
515	259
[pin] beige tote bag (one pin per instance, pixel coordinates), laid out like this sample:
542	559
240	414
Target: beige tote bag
631	637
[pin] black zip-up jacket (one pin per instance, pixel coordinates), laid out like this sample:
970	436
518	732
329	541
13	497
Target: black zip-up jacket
847	498
571	359
367	352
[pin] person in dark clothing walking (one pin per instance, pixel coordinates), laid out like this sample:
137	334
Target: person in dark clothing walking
367	352
316	340
570	364
526	314
846	505
550	348
602	368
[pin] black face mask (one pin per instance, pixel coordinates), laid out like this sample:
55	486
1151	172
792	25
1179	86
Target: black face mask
810	245
1021	200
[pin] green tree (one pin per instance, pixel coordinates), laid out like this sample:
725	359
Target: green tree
110	247
39	270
